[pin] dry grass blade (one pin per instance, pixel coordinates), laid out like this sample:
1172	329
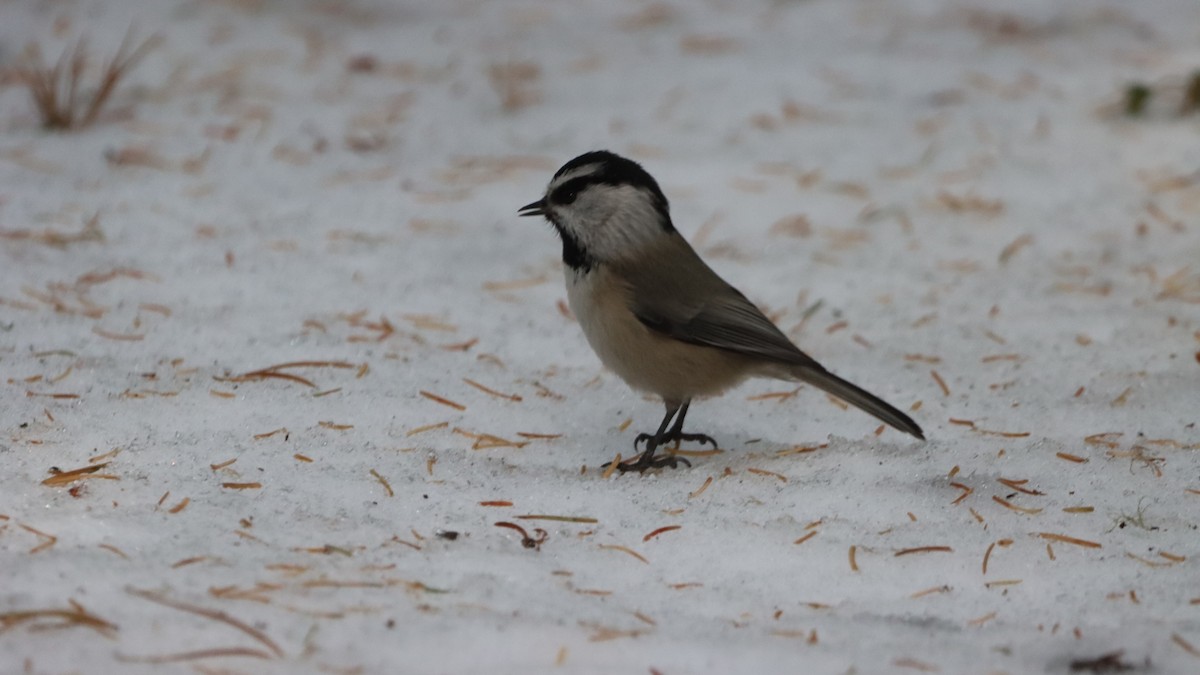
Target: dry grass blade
65	477
384	482
1185	645
265	374
655	533
924	549
561	519
75	616
47	540
215	615
1050	536
125	58
195	655
91	232
303	364
57	90
624	549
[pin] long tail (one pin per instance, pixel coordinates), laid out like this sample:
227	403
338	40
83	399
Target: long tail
859	398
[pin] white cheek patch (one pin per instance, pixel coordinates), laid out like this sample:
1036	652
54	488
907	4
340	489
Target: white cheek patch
615	221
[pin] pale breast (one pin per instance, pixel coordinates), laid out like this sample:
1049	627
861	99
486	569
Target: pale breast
645	359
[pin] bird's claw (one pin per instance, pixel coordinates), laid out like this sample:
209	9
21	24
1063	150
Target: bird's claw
697	438
647	461
674	438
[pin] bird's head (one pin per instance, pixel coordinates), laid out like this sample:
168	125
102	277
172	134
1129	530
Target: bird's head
605	207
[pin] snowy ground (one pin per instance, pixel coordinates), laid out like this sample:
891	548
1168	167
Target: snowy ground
935	199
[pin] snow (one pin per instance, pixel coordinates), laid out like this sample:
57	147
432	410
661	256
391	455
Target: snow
338	181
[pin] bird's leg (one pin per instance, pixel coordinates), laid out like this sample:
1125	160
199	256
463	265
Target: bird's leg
647	460
676	433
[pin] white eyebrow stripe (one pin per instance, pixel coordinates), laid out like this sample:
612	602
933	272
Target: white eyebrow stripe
577	172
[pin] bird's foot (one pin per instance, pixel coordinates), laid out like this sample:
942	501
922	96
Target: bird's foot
647	460
676	437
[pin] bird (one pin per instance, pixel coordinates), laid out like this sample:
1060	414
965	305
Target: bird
656	314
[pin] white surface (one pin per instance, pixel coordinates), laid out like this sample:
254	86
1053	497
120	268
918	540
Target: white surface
278	231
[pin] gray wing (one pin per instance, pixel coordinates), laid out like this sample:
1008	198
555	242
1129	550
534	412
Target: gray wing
675	293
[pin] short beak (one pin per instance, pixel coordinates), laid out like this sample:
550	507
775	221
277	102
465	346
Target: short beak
537	208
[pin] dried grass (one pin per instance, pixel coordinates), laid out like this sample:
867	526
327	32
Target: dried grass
61	92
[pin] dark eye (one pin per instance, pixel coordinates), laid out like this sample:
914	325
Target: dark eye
568	192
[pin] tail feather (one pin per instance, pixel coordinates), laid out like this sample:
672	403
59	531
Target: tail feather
859	398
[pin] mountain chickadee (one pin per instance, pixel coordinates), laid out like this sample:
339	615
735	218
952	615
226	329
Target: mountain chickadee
655	313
